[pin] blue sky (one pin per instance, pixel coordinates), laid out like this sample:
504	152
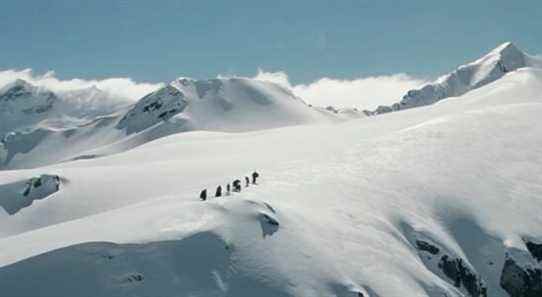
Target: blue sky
160	40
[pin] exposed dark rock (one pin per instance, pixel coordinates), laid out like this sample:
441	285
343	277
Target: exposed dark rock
270	220
158	106
37	182
535	250
15	92
21	194
425	246
461	275
153	106
382	109
167	114
521	282
136	277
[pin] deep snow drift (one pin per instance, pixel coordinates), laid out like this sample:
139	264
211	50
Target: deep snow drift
442	200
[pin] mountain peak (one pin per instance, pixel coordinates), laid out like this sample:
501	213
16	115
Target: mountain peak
21	82
507	54
18	83
183	81
506	47
498	62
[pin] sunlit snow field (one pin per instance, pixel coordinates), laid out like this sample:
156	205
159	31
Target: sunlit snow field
350	199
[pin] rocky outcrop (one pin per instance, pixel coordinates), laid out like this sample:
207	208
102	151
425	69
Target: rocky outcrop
461	275
520	281
522	273
448	265
154	108
21	96
535	249
43	185
427	247
18	195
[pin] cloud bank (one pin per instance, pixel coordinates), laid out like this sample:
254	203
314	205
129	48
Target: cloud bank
124	88
363	93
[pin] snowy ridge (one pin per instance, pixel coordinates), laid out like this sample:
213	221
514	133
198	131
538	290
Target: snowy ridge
430	202
70	130
232	104
491	67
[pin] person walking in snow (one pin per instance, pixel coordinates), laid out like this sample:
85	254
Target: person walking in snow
228	190
247	181
218	191
236	185
255	175
203	195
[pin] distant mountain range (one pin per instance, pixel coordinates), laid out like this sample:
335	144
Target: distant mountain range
41	127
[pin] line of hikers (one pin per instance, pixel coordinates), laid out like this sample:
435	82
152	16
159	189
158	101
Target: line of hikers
235	186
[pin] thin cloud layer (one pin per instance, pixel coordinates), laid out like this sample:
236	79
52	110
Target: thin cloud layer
124	88
362	93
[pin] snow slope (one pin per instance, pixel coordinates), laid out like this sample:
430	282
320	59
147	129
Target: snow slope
72	130
442	200
501	60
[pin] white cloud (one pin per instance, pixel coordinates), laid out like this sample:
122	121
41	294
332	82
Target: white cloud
363	93
124	88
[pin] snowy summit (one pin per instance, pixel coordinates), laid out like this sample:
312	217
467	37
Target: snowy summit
497	63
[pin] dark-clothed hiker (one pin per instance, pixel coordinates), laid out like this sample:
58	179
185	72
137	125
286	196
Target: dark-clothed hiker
218	191
236	185
203	195
228	190
255	175
247	181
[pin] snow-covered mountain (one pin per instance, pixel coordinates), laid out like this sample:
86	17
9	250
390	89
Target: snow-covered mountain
441	201
73	126
23	105
497	63
233	104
